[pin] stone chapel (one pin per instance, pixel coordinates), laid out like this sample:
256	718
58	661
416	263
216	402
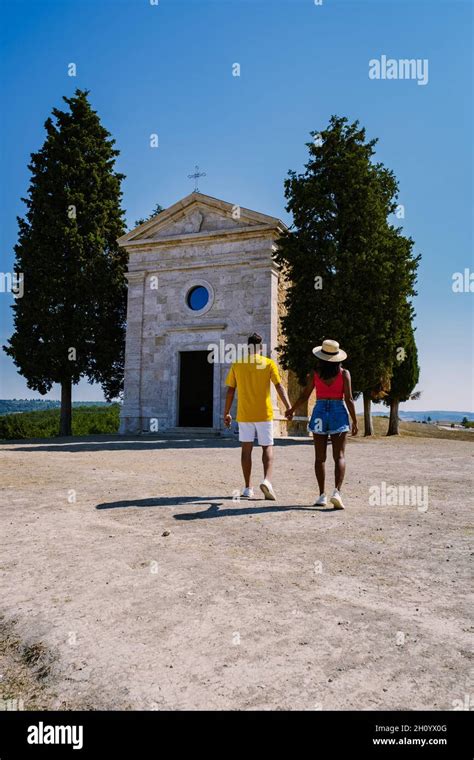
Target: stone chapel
199	272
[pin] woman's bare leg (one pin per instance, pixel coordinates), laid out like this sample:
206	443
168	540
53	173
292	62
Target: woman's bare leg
338	452
320	446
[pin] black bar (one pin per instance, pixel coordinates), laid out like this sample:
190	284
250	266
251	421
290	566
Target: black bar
343	734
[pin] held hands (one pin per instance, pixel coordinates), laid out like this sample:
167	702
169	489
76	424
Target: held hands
355	428
289	414
227	420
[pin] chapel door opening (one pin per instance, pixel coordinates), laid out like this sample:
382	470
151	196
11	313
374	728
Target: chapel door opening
196	389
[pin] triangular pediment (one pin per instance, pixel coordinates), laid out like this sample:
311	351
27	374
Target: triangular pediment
198	214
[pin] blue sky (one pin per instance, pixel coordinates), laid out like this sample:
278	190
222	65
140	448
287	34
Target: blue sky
167	69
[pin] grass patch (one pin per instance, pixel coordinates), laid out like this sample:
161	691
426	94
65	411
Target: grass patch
415	430
86	420
24	670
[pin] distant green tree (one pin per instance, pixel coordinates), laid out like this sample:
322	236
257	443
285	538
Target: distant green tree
404	378
70	322
402	266
465	422
157	210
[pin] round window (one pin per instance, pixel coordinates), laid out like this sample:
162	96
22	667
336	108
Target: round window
197	298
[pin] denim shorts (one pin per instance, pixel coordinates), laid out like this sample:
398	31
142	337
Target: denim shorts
329	417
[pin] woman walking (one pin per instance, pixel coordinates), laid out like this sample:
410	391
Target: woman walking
332	384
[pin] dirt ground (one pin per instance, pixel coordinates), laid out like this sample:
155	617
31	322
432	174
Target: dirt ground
243	605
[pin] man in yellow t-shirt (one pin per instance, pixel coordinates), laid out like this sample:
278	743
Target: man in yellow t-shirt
252	378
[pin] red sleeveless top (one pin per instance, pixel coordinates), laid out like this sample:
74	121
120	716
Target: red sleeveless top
325	391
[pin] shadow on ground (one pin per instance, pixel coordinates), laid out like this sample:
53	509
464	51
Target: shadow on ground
135	443
162	501
213	510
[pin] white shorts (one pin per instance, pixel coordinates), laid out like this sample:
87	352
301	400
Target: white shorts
263	431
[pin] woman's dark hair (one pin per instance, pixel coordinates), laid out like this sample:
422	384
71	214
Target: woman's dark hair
326	370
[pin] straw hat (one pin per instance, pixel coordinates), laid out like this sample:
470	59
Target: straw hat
330	351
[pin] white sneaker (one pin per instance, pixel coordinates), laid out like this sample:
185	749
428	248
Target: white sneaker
267	490
336	500
248	493
321	501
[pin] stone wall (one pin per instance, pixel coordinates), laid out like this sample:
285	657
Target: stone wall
241	280
290	380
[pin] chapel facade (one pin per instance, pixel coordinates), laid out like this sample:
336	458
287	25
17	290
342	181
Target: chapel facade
201	275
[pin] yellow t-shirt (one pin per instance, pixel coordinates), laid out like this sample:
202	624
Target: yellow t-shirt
252	379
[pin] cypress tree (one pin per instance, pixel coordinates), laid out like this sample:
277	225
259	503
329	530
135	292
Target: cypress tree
70	322
157	210
348	269
406	372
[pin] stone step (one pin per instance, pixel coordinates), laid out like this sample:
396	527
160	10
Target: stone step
192	432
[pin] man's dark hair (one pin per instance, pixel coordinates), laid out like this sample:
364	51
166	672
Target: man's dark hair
255	339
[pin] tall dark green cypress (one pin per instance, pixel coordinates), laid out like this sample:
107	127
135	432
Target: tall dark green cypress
340	234
70	322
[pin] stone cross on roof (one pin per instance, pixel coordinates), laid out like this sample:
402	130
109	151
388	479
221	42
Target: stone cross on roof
196	176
